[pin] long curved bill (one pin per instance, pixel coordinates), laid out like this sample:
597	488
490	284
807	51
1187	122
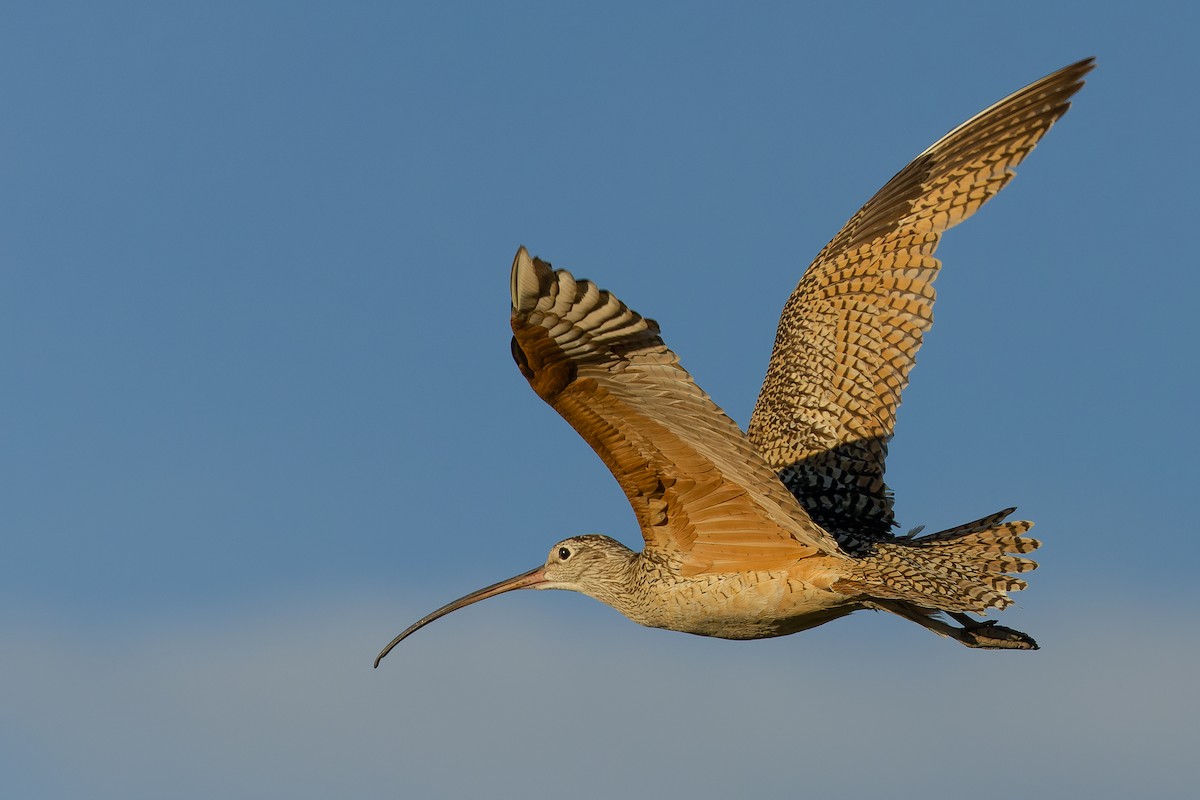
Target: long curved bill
526	580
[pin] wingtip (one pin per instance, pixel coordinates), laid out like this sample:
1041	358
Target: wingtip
521	265
526	280
1079	69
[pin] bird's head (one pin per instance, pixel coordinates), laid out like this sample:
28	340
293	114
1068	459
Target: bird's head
591	564
595	565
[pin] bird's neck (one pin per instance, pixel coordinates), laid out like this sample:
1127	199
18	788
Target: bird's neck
618	577
635	582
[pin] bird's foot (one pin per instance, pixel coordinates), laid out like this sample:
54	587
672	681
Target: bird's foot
990	636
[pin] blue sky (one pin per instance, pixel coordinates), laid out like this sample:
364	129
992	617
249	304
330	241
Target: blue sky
260	413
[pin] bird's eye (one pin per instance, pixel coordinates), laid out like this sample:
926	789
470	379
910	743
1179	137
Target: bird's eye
564	553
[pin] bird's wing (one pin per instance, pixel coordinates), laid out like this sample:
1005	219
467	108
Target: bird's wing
850	331
700	490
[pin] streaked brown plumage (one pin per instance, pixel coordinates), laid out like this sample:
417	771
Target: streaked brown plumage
788	525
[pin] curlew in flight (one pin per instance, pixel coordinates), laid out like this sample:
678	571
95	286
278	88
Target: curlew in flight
788	525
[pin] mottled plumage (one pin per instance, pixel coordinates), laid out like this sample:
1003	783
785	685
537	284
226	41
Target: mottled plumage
849	333
788	525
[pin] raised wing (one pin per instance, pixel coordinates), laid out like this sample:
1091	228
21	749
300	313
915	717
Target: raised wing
850	331
700	490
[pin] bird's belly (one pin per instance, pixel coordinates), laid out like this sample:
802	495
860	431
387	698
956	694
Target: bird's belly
754	605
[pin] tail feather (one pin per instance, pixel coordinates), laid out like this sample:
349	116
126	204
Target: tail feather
965	568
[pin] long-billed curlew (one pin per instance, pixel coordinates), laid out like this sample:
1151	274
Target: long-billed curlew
788	525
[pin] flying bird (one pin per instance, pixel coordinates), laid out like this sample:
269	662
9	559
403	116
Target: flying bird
789	524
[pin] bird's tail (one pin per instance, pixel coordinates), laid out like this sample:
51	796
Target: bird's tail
965	568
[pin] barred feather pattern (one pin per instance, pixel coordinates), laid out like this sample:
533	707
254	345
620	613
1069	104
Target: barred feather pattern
699	488
965	568
849	334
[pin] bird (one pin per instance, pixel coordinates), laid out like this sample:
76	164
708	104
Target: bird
789	524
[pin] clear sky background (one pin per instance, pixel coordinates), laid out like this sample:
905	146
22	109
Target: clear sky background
259	411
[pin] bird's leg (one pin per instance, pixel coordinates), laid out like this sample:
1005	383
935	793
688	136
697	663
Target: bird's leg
987	634
984	634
